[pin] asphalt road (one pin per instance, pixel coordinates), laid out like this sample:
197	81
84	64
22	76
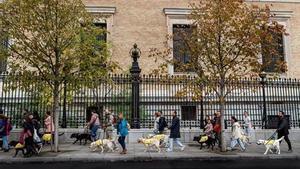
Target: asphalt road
163	164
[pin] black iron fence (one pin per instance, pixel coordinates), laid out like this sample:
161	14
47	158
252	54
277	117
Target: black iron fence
262	98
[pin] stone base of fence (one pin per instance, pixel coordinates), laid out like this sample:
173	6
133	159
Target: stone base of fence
187	135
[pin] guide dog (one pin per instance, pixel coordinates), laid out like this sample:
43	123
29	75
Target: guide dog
163	139
81	136
271	145
18	147
102	144
150	142
208	140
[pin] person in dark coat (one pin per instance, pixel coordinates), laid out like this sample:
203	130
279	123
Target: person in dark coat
175	133
28	129
283	129
217	128
162	124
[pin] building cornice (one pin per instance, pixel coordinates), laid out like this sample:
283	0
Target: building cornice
101	9
274	1
187	11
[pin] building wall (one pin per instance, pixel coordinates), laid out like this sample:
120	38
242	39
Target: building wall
145	23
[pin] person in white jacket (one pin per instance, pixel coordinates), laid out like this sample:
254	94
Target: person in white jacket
248	125
236	134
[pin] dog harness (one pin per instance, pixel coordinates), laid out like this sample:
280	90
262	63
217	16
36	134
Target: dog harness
203	139
269	142
19	145
99	142
149	141
159	136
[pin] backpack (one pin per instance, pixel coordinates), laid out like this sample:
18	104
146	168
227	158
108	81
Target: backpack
162	123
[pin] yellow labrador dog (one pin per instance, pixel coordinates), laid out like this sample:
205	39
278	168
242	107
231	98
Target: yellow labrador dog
271	145
163	139
102	144
150	142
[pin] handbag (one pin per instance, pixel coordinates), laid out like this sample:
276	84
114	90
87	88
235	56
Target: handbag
36	138
47	137
128	126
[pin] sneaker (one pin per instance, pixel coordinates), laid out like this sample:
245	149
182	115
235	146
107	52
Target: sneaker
290	150
182	148
229	149
168	150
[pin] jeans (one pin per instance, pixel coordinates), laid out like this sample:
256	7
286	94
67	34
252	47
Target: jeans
234	142
94	132
5	142
171	140
122	142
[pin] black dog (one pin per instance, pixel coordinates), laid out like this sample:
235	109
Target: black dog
79	137
210	142
13	144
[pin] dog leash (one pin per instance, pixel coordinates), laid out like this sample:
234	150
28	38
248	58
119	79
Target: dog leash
272	136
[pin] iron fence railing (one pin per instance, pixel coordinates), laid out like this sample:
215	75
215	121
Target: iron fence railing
261	98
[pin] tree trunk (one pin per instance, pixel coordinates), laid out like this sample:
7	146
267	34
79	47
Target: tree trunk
56	115
222	111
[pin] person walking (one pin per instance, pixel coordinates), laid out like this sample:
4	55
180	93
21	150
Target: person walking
122	131
162	123
175	133
36	122
217	127
236	134
49	125
28	128
283	129
156	123
109	124
94	125
5	128
208	128
248	125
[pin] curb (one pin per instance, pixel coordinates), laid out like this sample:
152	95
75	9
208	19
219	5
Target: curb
220	158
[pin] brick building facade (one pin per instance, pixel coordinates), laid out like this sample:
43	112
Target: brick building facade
148	22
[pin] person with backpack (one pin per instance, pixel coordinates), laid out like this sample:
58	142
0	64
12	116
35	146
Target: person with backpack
162	123
122	131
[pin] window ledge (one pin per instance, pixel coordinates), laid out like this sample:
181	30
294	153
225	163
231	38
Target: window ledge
101	9
177	11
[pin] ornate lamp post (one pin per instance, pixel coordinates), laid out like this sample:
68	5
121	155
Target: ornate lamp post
135	71
263	76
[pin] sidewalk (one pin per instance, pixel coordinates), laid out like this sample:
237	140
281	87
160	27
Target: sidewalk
70	152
